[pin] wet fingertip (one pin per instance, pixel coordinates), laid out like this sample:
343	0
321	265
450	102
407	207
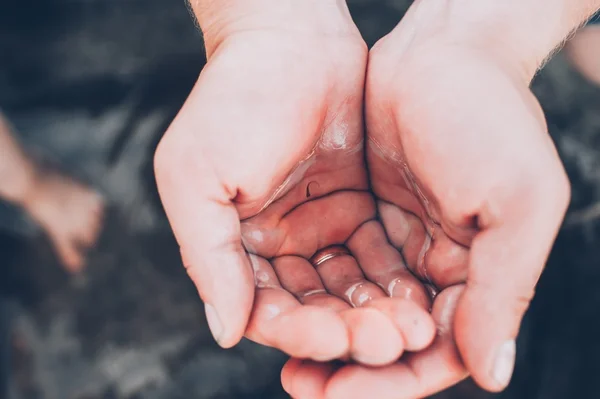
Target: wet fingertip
340	385
422	333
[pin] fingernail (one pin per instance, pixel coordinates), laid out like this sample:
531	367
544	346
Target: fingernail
214	322
504	363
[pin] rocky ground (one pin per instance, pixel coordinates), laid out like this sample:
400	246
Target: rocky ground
91	85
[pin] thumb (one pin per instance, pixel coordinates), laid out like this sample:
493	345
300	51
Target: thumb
207	227
506	260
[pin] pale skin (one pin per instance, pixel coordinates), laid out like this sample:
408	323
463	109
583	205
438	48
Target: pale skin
467	184
68	211
294	114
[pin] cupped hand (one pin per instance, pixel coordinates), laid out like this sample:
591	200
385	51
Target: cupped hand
264	167
467	177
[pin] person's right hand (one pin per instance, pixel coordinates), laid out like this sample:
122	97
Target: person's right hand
470	189
266	157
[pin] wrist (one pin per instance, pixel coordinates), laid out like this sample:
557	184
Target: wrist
518	34
219	19
525	31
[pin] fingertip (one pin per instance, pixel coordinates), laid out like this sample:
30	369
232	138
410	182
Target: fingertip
327	329
344	385
496	376
310	380
374	340
487	344
288	372
226	338
420	334
226	326
414	323
228	294
503	365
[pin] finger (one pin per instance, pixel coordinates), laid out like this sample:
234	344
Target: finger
288	372
206	225
306	332
312	225
446	261
313	375
407	233
299	277
418	375
382	264
280	321
324	300
264	274
343	278
412	321
374	339
507	259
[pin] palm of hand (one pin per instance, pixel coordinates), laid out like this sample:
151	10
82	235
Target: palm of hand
280	171
272	137
407	218
325	201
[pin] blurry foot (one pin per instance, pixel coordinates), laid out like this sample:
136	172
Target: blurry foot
69	212
584	52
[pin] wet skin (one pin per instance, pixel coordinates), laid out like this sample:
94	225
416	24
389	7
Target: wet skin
264	167
276	151
457	147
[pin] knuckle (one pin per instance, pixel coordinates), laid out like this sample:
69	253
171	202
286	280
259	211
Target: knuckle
553	189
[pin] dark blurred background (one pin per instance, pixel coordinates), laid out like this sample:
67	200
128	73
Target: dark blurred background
91	85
